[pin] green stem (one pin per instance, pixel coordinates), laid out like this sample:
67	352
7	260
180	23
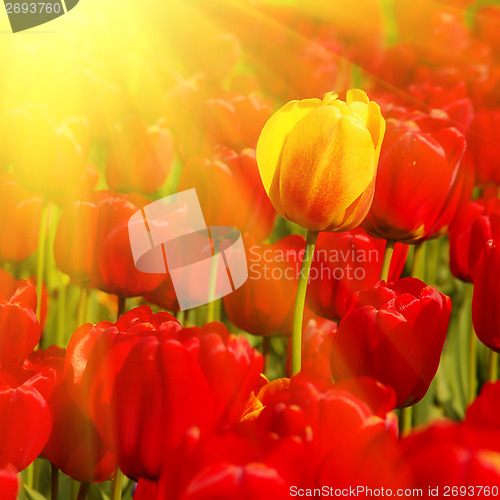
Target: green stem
81	313
181	317
212	302
117	485
300	299
386	265
30	474
472	349
493	367
61	311
42	237
82	492
418	260
266	351
54	482
406	420
122	306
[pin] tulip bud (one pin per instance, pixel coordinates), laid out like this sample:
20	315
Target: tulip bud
420	185
395	334
318	160
344	264
485	310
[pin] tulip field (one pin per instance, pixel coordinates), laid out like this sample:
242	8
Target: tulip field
351	150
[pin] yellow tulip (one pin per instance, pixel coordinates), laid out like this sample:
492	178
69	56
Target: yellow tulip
318	160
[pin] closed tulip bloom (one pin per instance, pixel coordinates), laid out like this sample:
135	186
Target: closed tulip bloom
344	264
139	157
446	454
484	147
318	160
485	310
230	191
48	157
92	244
395	334
74	445
181	370
19	221
9	483
420	185
25	417
478	223
264	304
19	327
228	481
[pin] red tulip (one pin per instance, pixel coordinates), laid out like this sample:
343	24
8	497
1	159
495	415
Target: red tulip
485	310
230	191
487	24
139	157
227	481
74	445
407	207
183	370
92	245
439	32
164	296
19	328
394	333
307	426
9	483
317	339
264	304
25	417
477	223
484	146
443	455
345	263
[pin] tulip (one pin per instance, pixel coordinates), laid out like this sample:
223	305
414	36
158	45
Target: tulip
318	160
74	445
264	304
407	206
164	296
225	482
196	396
344	264
19	221
443	454
485	310
484	147
9	483
19	328
25	417
394	333
139	157
92	245
478	222
309	425
487	22
48	157
230	191
439	32
317	342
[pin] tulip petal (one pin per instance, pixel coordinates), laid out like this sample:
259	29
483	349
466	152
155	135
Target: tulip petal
274	133
328	161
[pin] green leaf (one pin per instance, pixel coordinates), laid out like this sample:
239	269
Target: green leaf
33	494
